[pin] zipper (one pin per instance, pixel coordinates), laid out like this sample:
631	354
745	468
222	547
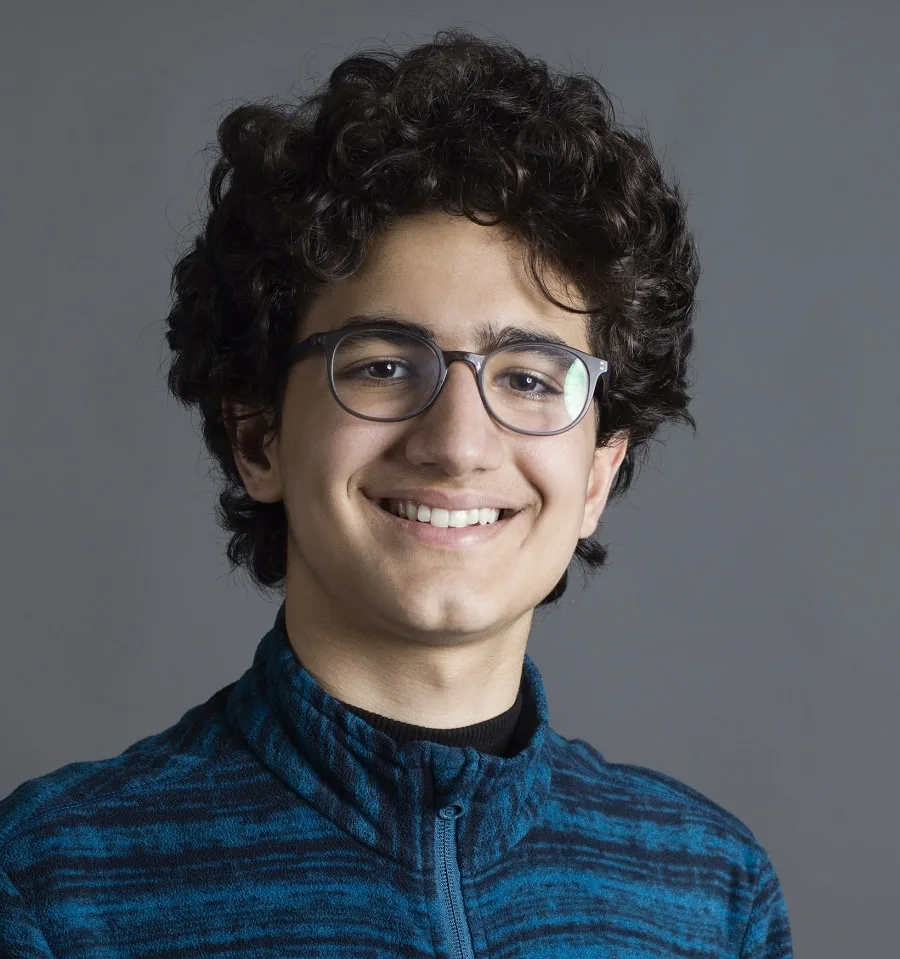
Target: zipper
446	870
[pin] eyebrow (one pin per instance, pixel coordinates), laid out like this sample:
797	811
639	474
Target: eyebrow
488	336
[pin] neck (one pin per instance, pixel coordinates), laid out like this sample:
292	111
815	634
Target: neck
435	687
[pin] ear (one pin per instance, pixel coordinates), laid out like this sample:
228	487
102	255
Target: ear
607	461
256	460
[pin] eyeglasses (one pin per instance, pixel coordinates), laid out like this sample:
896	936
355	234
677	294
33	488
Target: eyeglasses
383	374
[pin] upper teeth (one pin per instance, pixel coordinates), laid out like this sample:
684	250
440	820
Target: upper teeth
442	517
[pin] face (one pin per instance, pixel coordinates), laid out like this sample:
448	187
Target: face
354	568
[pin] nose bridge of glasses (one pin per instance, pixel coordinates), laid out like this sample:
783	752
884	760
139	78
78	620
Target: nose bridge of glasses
472	360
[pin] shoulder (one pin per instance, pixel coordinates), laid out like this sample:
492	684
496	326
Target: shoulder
153	763
652	803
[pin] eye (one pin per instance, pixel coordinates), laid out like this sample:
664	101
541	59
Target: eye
386	366
523	381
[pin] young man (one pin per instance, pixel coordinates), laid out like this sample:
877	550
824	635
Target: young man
434	316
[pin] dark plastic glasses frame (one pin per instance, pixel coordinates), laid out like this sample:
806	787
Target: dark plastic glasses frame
598	370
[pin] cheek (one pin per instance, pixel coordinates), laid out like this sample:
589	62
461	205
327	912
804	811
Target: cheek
560	475
327	458
557	469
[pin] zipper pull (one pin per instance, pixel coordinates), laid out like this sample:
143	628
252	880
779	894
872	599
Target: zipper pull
453	811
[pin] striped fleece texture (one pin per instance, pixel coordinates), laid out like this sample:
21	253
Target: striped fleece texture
271	821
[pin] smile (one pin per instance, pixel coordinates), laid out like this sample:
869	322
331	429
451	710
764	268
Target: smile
434	534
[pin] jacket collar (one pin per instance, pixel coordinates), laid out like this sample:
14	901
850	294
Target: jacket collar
388	796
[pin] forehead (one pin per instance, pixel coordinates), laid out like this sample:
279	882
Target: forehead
462	282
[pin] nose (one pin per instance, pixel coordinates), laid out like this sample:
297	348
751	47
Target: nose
456	432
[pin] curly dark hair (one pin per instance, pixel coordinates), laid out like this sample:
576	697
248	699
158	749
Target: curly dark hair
462	125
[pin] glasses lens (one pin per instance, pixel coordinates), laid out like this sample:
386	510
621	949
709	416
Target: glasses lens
387	375
538	388
384	374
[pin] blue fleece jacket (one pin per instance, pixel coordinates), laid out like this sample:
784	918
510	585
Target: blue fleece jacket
272	821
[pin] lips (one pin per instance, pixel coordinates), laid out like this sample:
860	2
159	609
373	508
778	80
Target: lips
410	531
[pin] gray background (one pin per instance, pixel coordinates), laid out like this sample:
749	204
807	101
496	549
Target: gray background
744	637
